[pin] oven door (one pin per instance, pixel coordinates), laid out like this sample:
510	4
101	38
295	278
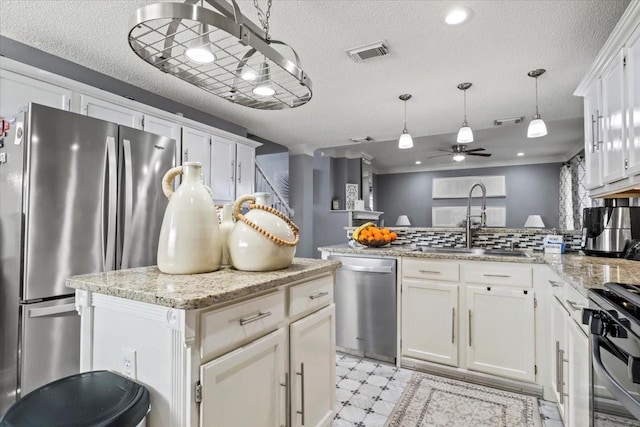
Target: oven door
615	360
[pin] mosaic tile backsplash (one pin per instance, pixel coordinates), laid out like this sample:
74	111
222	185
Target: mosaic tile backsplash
490	238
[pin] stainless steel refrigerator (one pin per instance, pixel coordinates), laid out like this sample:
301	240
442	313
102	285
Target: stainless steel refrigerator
77	195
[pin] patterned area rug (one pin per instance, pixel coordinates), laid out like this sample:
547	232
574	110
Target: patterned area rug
438	402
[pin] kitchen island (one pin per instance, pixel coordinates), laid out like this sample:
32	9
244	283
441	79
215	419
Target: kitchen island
208	346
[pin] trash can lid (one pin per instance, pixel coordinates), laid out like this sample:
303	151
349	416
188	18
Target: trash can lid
97	399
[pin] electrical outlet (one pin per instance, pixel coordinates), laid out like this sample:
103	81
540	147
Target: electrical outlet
129	363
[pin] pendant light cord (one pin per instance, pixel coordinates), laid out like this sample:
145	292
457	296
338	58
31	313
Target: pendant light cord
465	106
537	96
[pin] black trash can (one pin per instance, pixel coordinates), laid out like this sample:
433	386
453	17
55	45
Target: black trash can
96	399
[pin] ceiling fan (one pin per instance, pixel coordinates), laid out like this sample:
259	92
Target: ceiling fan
459	152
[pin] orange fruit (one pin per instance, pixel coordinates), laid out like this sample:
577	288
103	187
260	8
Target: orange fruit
393	236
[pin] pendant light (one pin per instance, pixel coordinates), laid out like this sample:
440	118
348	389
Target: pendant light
537	128
465	134
212	45
199	50
405	140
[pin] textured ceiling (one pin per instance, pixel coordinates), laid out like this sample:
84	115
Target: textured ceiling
494	51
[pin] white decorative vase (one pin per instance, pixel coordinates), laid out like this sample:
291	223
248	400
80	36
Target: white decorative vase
190	240
226	225
263	239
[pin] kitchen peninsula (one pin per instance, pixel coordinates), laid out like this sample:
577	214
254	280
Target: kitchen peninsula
208	345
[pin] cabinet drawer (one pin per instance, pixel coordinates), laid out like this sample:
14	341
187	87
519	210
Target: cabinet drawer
310	295
557	285
227	327
574	301
441	271
498	274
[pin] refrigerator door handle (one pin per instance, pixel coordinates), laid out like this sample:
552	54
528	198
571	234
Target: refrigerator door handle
48	311
128	203
112	196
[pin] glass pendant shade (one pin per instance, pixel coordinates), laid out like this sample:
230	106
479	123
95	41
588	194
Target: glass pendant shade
405	140
200	48
537	128
264	86
465	134
458	157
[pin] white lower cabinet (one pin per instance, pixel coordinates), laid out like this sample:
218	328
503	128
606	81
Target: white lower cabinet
500	330
312	369
425	305
578	399
257	373
559	360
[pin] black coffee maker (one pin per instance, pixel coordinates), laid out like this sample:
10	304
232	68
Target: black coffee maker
610	230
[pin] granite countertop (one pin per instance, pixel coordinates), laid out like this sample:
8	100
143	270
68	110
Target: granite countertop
580	271
192	291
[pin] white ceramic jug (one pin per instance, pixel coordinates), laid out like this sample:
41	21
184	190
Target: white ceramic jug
190	240
263	239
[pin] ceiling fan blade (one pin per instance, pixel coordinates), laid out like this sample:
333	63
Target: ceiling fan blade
440	155
479	154
474	149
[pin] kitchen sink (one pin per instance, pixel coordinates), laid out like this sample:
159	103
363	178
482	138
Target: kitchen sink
472	251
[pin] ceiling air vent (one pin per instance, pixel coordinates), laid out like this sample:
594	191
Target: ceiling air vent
368	51
362	139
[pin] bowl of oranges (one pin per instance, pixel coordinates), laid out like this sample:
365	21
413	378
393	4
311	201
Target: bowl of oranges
370	235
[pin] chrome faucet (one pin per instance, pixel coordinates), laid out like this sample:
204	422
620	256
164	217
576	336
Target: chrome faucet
483	212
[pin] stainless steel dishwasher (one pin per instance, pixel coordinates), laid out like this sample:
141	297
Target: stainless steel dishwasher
365	298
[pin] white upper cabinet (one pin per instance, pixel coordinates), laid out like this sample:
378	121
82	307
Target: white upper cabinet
593	136
633	84
94	107
164	127
196	147
245	169
613	120
223	172
17	91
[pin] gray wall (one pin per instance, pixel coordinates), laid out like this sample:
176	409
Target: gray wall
531	189
301	197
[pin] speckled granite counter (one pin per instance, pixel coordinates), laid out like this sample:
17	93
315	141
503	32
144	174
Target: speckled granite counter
148	284
580	271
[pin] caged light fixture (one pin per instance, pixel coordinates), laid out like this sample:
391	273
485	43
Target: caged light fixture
465	134
405	140
216	48
536	128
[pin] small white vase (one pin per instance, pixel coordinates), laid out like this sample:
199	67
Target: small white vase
252	251
226	225
190	240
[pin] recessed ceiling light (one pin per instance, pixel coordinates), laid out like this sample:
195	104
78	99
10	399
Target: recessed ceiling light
457	16
418	162
520	154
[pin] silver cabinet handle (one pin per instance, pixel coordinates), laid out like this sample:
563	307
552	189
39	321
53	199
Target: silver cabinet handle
319	295
285	384
561	389
496	275
260	315
239	172
558	372
430	271
598	141
453	325
301	373
382	270
186	155
555	283
469	328
574	306
233	163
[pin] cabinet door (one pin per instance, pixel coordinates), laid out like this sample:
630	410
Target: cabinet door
164	127
633	84
17	91
500	332
593	137
578	376
559	317
613	121
223	169
245	169
312	371
196	147
429	321
104	110
246	387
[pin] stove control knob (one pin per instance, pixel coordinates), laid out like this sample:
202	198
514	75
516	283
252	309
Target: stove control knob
597	324
633	366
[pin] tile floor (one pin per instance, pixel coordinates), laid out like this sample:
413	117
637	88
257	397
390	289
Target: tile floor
367	391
